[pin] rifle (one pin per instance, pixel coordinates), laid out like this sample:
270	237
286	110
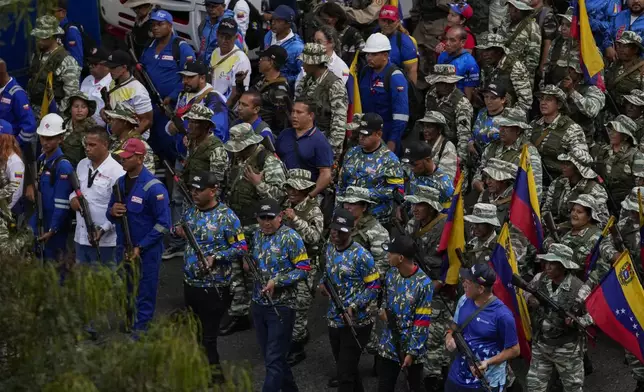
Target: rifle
550	224
617	238
397	340
257	277
545	299
86	214
201	257
399	202
129	246
333	293
182	186
40	225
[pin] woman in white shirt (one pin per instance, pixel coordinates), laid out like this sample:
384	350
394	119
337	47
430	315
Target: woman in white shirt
327	36
11	162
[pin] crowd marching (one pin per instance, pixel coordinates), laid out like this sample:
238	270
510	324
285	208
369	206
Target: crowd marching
361	157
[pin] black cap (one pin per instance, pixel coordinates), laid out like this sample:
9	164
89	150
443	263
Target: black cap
203	180
370	123
481	274
194	68
269	207
227	26
215	2
277	54
497	89
402	245
416	152
118	58
342	221
99	56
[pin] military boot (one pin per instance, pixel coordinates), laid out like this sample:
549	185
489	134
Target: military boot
296	354
639	387
234	324
434	384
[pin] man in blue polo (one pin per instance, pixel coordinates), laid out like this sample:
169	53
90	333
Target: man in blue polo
460	58
281	34
163	59
216	10
383	90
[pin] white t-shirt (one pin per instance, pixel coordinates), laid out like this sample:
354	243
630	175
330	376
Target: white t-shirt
223	75
92	88
15	172
133	93
337	66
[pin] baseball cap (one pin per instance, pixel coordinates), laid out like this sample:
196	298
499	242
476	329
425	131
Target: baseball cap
481	274
370	123
215	2
194	68
118	58
497	89
203	180
402	245
99	56
465	10
416	152
227	26
131	147
277	54
269	207
342	221
5	128
161	16
389	12
284	12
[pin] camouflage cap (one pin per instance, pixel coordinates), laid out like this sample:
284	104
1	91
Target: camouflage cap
492	40
587	201
314	54
512	117
562	254
553	90
582	161
91	105
443	73
46	27
433	117
630	37
123	111
521	5
299	179
426	194
636	97
572	61
500	170
483	213
241	136
631	203
200	113
355	194
568	15
623	124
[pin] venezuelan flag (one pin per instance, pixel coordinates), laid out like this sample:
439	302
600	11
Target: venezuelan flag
590	58
616	306
353	90
593	256
453	237
524	207
641	208
505	264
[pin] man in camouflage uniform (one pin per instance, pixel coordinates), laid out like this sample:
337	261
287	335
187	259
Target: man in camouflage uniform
633	104
554	133
484	221
625	74
425	228
304	215
577	179
329	93
508	71
499	180
13	240
554	343
561	48
448	100
54	72
444	152
425	172
254	174
123	123
523	35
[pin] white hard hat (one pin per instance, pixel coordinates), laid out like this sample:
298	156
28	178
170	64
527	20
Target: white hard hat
51	125
377	43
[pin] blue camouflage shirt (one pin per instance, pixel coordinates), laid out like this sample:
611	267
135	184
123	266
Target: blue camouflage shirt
484	131
438	180
219	234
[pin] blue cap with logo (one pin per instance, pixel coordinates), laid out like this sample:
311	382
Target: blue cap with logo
161	16
284	12
5	128
481	274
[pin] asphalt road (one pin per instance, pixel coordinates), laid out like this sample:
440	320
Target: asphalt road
610	372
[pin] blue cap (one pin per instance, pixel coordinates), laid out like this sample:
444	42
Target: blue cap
5	128
284	12
482	274
161	16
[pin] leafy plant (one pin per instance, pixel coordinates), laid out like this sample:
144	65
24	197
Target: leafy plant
17	13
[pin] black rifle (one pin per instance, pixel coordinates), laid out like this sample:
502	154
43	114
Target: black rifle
182	186
550	224
546	300
40	226
257	277
201	257
86	214
337	301
399	203
129	246
396	339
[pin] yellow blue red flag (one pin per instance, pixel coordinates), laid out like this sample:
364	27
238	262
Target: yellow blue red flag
524	207
453	237
590	58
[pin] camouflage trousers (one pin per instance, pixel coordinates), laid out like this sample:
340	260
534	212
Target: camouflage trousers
241	283
436	356
637	367
568	359
305	289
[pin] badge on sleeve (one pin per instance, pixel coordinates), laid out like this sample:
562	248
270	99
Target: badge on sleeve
160	196
5	100
72	43
400	88
63	176
25	106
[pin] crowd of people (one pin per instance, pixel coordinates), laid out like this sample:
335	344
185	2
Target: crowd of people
263	179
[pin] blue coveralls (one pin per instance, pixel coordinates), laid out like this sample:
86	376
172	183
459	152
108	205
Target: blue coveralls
621	23
16	110
148	213
73	41
55	189
163	71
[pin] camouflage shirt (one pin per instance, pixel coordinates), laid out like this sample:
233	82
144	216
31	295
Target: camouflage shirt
308	222
427	239
353	274
573	136
590	103
369	233
218	159
409	300
69	73
479	250
445	156
218	234
463	115
526	43
280	257
561	191
520	78
437	180
116	144
273	177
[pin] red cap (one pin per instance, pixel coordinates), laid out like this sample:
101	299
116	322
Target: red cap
389	12
132	147
465	10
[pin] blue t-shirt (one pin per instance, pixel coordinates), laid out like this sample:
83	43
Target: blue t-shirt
466	67
490	332
406	53
311	151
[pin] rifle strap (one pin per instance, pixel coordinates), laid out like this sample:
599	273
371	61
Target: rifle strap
471	317
226	57
629	71
429	226
194	100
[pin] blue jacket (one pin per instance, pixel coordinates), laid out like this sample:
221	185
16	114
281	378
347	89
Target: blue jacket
208	38
391	105
621	23
148	211
163	69
73	41
600	14
55	192
294	47
16	110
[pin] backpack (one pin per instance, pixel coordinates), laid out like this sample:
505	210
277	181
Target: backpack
89	44
176	50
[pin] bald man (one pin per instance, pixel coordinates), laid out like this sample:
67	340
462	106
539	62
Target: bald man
464	62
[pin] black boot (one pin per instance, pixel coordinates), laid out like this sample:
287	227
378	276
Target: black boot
296	354
234	324
639	387
434	384
588	365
